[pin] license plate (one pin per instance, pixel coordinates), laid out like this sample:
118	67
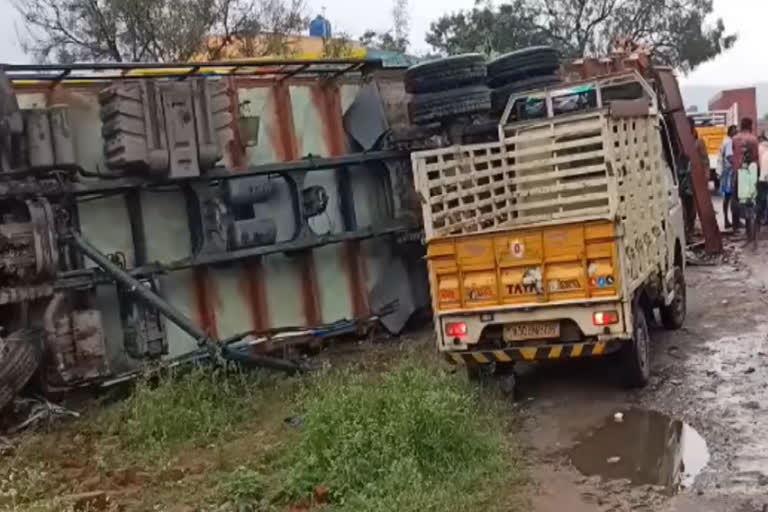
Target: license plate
531	331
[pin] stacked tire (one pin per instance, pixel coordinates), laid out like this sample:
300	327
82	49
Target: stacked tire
522	70
448	88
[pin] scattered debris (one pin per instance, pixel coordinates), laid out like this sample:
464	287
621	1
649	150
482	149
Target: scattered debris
321	494
618	417
96	500
294	421
6	448
40	410
613	460
749	370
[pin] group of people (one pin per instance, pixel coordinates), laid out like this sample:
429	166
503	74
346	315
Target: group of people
744	188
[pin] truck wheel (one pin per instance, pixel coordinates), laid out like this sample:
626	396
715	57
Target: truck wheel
19	358
636	353
525	63
444	74
437	106
673	316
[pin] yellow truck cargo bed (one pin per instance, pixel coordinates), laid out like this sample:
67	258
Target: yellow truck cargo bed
524	267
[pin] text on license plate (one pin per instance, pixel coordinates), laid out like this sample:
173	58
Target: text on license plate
531	331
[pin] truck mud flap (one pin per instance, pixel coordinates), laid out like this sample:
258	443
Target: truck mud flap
549	352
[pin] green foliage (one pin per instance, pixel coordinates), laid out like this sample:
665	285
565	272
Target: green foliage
157	30
244	486
413	439
22	486
675	30
202	407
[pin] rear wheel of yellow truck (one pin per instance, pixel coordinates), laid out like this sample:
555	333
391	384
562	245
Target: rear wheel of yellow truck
636	354
673	316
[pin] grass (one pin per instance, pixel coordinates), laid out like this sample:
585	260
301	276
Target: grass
412	438
201	407
406	437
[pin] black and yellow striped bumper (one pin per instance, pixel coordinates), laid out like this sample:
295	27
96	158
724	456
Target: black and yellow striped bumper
545	353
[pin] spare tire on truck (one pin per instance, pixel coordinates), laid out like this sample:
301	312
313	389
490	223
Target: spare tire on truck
438	106
521	64
20	355
447	73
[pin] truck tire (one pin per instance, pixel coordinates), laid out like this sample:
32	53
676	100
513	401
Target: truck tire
636	353
20	357
500	95
673	316
437	106
525	63
444	74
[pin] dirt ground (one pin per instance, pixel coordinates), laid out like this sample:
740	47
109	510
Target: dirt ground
712	375
700	421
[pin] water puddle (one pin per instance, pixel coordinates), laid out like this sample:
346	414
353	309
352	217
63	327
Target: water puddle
645	447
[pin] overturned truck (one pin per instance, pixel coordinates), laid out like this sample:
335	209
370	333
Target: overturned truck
169	213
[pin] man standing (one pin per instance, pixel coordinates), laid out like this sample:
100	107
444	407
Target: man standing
745	139
685	188
762	184
726	175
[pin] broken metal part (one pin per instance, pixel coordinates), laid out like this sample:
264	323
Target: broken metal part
143	328
39	410
246	191
75	342
365	120
314	201
209	218
28	251
17	294
252	233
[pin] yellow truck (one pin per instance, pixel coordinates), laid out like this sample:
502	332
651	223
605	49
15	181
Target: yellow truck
712	129
559	239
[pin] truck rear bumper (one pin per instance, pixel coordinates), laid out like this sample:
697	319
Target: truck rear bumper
542	353
479	323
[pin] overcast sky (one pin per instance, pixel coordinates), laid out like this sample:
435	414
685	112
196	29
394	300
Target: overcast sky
743	65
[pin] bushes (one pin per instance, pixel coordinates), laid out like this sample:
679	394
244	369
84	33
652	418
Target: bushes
201	407
411	439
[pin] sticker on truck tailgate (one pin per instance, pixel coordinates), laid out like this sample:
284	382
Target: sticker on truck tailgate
531	331
517	249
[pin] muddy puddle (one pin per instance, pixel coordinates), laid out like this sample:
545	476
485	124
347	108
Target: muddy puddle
645	447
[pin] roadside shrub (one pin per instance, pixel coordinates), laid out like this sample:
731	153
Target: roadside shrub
200	406
244	486
411	439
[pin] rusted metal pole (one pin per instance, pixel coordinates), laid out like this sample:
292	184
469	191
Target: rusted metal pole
675	112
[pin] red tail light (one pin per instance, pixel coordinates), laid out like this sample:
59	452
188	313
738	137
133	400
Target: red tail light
456	330
605	318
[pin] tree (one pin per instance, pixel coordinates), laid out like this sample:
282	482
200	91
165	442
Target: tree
486	29
676	31
394	39
157	30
